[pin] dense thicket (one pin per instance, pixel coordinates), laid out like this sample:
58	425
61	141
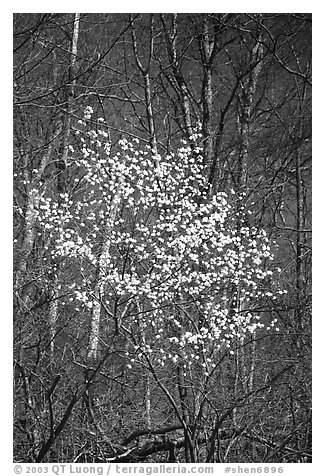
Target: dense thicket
162	237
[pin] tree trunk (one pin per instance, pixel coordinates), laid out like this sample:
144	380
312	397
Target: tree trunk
61	166
94	336
183	91
146	79
208	49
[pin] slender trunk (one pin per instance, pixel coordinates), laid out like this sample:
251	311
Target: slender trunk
252	364
239	360
94	336
207	130
147	380
208	49
300	217
248	88
214	172
299	239
53	316
148	402
190	446
61	165
146	79
152	133
71	85
183	91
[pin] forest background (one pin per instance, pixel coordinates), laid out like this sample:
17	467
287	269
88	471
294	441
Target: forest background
227	139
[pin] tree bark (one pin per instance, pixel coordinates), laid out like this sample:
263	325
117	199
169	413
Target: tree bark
171	37
146	79
94	336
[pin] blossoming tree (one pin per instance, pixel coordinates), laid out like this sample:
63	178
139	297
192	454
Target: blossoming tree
160	260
